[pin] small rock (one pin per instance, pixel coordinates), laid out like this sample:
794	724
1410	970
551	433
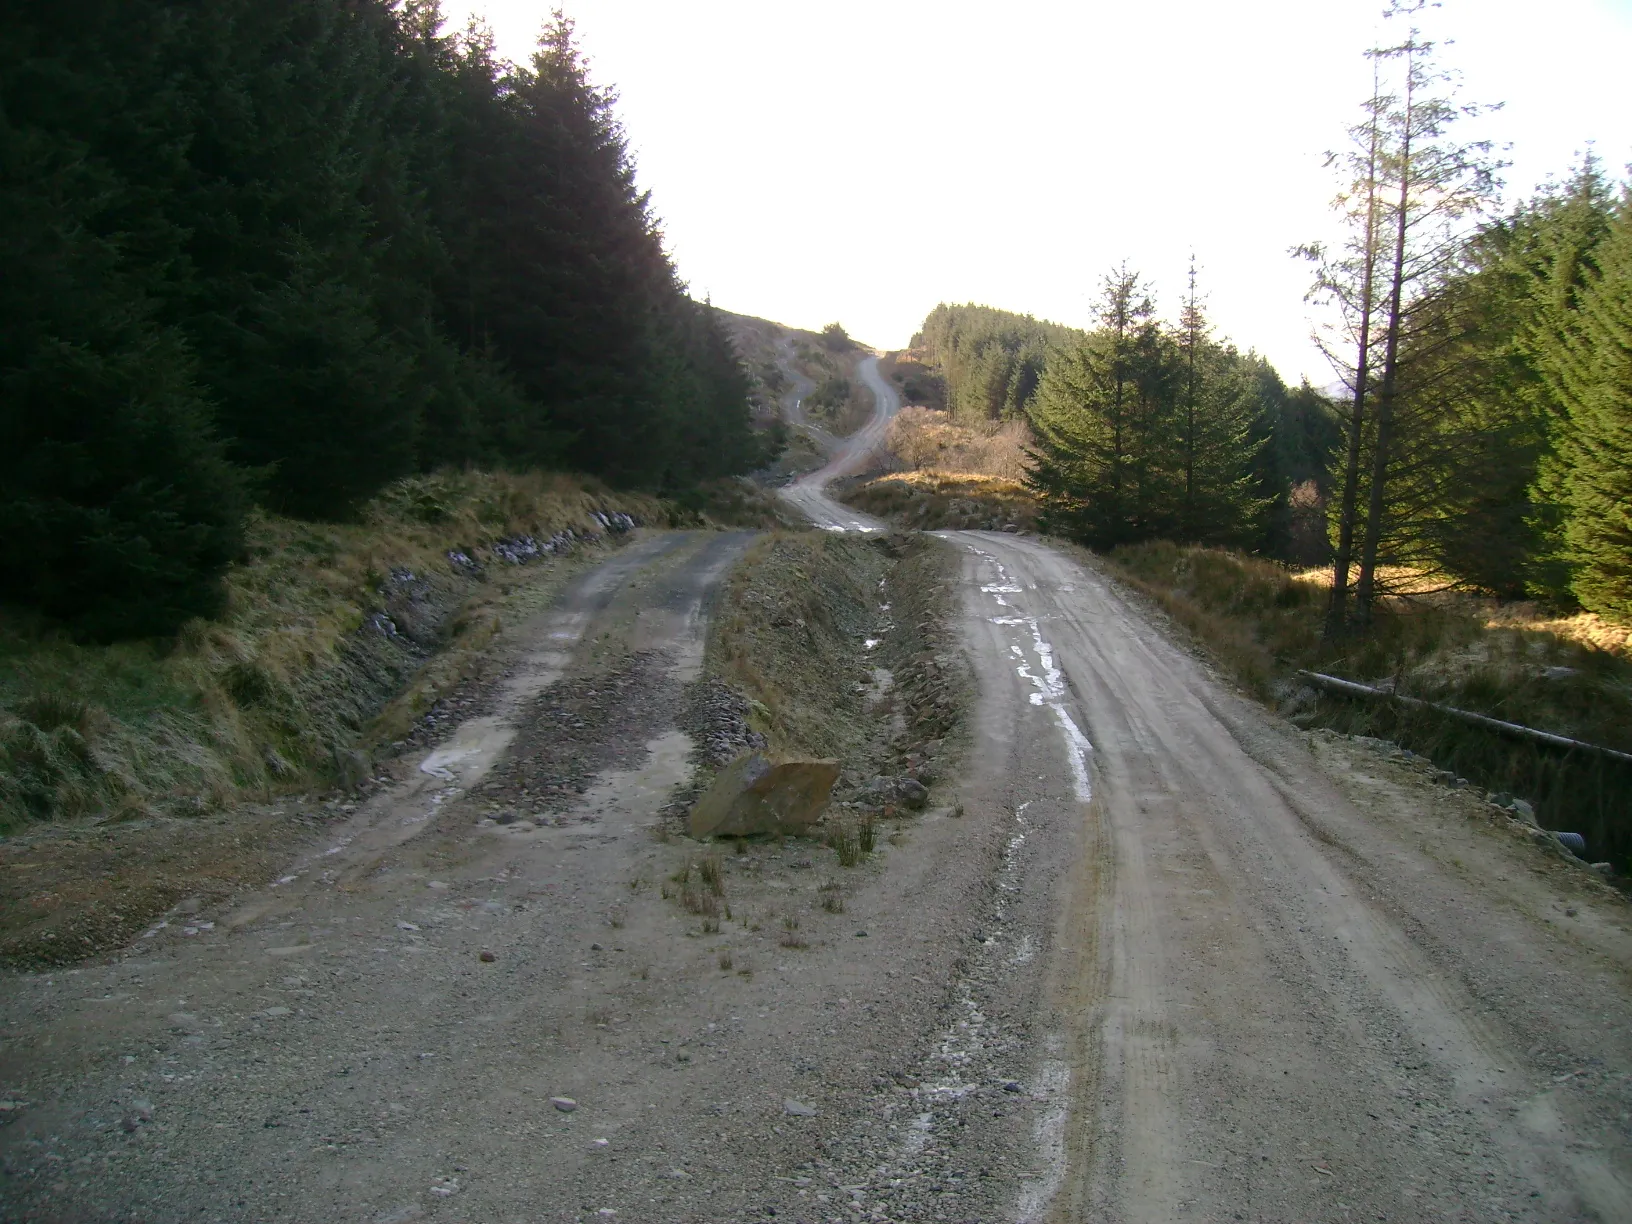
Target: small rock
486	957
564	1104
861	934
272	1013
798	1108
914	794
594	947
1523	811
352	768
1606	870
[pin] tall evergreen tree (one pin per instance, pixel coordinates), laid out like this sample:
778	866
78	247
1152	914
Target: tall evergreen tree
1348	281
1415	191
1224	421
1596	449
1096	416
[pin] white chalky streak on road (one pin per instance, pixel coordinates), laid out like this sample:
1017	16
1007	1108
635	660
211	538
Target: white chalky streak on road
1050	685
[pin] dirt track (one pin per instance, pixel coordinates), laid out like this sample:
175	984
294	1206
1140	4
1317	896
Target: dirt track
1285	984
847	456
1287	978
1155	955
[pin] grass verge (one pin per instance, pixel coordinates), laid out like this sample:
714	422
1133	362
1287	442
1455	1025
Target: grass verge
327	628
841	645
929	499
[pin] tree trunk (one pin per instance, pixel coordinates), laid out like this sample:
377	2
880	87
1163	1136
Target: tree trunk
1365	591
1338	613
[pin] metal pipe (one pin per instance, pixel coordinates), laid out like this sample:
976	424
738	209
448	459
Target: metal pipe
1351	689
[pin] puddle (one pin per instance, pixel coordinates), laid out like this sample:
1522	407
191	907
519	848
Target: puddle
471	752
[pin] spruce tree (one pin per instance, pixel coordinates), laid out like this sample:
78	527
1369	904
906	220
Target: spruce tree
1096	415
1597	447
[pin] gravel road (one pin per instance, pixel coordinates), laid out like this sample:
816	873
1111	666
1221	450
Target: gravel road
846	457
1151	955
482	995
1290	979
1287	977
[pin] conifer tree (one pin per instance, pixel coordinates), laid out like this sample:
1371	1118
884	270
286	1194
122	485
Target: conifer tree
319	244
1596	377
1221	432
1434	184
1095	418
1415	191
1349	281
1559	265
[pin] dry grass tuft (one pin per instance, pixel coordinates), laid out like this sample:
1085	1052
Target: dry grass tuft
832	895
926	438
932	499
791	938
712	873
842	840
697	898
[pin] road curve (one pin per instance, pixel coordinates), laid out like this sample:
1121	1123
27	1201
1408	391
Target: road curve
808	494
1275	990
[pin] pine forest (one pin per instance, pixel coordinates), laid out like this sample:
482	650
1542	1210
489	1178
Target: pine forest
283	254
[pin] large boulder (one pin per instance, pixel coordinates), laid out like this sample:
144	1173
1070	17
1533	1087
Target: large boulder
751	795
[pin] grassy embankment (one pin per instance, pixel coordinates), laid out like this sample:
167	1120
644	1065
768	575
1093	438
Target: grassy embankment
302	669
792	634
1570	676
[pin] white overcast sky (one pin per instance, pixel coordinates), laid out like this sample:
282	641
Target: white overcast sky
861	160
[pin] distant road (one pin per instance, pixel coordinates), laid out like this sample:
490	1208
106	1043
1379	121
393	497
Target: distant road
808	494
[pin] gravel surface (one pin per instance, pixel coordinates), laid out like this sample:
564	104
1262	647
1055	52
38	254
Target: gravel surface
1294	978
1148	953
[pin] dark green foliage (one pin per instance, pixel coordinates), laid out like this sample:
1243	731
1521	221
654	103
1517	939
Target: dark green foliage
118	511
1477	492
1145	433
831	394
835	339
991	360
1596	448
1509	470
341	242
